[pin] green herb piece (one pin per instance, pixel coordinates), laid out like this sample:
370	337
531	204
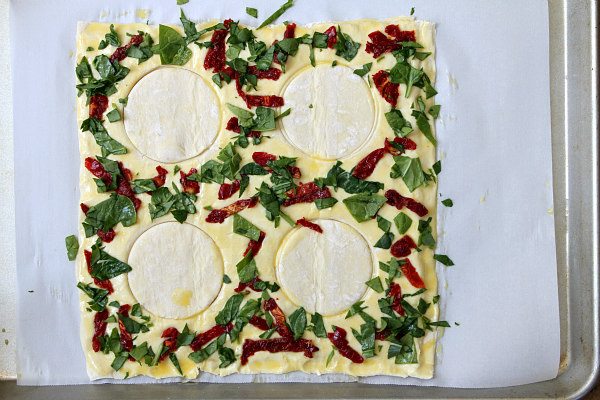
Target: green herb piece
434	111
345	47
366	338
317	325
102	138
172	47
356	308
114	304
226	356
243	227
253	12
124	101
364	69
114	115
119	360
448	202
249	309
437	167
404	352
399	125
204	353
111	38
375	284
175	362
72	245
231	309
412	11
443	324
268	199
226	279
182	2
385	241
443	259
298	323
402	222
276	14
185	337
131	325
383	224
422	120
246	268
104	266
426	236
143	51
139	352
338	177
410	170
334	63
143	185
179	204
328	202
364	206
436	299
329	357
98	297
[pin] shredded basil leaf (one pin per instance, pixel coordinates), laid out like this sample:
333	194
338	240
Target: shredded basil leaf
104	266
375	284
72	245
298	322
448	202
364	206
108	213
402	222
364	69
410	170
243	227
171	47
317	325
276	14
385	241
98	297
443	259
345	47
253	12
246	268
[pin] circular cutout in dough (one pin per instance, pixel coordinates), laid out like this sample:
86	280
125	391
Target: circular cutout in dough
176	270
172	115
332	112
324	272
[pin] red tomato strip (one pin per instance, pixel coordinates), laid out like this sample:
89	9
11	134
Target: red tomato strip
98	105
170	334
272	74
105	284
189	186
271	306
403	247
126	339
97	169
202	339
84	208
397	200
124	188
395	294
159	180
99	328
277	345
406	143
399	35
290	31
338	339
366	166
411	274
252	285
331	33
121	52
259	322
219	215
306	193
106	237
254	247
258	100
389	91
262	158
226	190
215	56
380	43
234	126
310	225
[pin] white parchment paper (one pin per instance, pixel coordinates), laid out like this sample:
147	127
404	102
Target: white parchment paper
494	139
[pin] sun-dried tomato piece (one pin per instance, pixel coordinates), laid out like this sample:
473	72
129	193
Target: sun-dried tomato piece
263	100
170	334
84	208
259	322
107	236
310	225
99	328
294	171
397	200
215	56
160	179
277	345
290	31
189	186
271	74
406	144
226	190
380	43
306	193
403	247
395	293
125	337
338	339
121	52
203	338
399	35
388	90
271	306
98	105
105	284
331	33
124	187
219	215
255	245
382	334
234	126
262	158
366	166
97	169
412	275
251	284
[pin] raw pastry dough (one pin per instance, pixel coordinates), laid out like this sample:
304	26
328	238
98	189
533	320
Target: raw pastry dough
172	115
177	270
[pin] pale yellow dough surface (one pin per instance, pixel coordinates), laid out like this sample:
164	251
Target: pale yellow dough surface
230	245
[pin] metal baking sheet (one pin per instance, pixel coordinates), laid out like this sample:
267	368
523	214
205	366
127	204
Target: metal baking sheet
573	36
